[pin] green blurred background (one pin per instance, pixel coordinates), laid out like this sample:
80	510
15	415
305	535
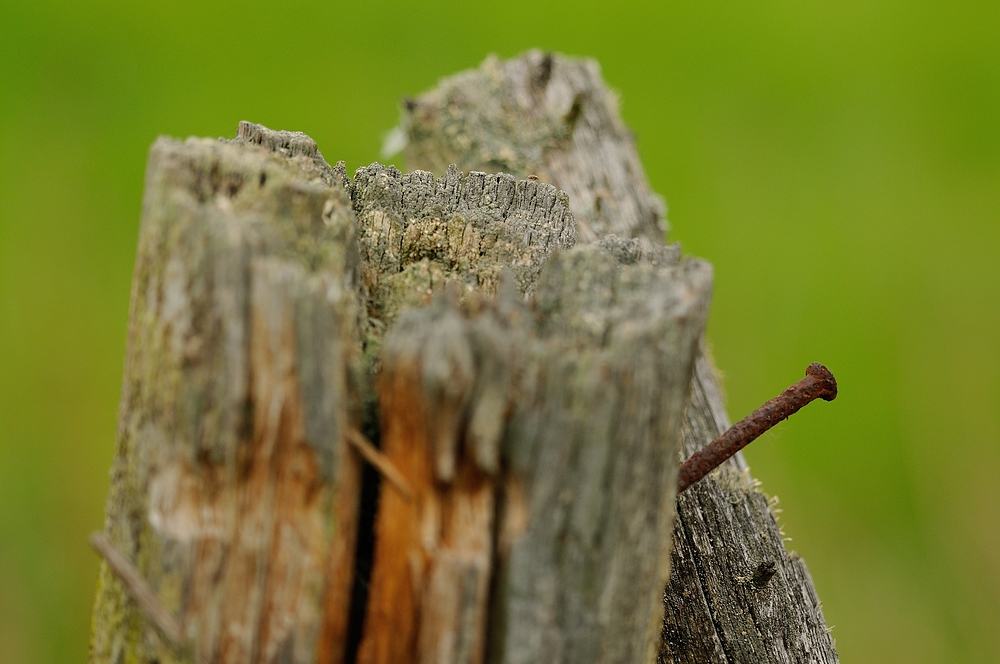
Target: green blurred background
839	163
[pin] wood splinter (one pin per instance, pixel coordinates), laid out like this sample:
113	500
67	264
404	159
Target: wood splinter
139	590
381	462
819	383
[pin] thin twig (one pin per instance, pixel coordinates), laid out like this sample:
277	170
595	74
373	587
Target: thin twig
380	461
139	590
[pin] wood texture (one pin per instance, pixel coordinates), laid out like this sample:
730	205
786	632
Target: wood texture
419	233
543	116
528	399
591	454
531	397
433	555
593	374
233	492
554	117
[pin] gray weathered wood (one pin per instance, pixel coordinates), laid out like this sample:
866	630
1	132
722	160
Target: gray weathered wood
529	400
442	381
544	116
554	117
418	233
528	394
233	491
596	373
591	455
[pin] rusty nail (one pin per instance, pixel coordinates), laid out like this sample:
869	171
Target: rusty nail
819	383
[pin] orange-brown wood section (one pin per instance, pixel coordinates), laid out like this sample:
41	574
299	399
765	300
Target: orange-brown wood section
431	571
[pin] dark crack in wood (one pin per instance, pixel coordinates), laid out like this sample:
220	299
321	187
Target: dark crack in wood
554	117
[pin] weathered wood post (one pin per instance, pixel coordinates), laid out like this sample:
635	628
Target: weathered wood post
524	372
555	118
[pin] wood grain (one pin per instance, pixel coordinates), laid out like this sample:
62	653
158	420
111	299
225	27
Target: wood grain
233	492
554	117
523	348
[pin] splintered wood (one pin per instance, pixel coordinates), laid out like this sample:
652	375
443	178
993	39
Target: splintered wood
553	117
529	445
233	492
521	396
530	435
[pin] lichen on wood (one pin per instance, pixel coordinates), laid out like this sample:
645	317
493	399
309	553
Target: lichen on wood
278	301
418	233
232	491
552	116
544	116
587	504
531	397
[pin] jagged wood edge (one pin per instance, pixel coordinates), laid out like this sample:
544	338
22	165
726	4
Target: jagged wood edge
521	115
535	116
530	220
243	293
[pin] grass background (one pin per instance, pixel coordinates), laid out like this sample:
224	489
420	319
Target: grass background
839	163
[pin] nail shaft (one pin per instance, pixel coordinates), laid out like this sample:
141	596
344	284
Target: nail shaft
819	383
139	590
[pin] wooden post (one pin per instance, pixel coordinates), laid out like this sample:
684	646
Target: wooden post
529	380
555	118
234	493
